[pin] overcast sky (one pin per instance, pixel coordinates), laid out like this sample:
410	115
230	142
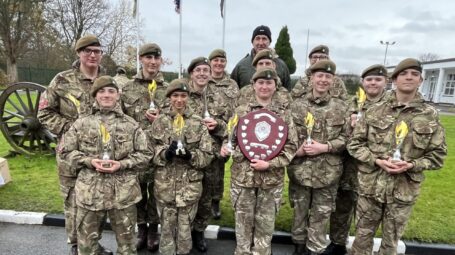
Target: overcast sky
351	28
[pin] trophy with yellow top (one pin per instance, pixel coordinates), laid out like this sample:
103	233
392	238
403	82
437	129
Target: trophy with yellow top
309	122
401	130
232	123
361	98
179	124
151	89
206	111
105	139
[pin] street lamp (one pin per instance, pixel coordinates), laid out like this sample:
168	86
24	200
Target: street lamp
386	47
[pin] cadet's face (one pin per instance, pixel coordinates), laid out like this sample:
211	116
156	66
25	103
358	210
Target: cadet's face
315	57
264	88
151	64
321	82
260	42
408	81
218	65
265	63
374	85
201	75
107	97
179	100
90	56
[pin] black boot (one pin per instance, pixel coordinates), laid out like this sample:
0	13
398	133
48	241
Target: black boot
105	251
73	250
300	249
216	209
153	238
141	236
335	249
199	241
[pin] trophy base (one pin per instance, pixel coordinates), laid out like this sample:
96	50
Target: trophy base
106	165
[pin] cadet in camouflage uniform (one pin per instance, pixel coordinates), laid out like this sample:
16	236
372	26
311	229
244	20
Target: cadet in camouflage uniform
265	58
303	85
136	100
374	80
315	171
105	186
227	86
243	71
66	98
257	185
207	98
120	77
389	189
178	175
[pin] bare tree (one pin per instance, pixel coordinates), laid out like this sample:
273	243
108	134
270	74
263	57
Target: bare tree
428	57
18	18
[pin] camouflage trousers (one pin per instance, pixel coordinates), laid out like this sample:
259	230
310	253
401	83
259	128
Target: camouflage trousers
176	228
70	210
146	208
312	209
255	211
370	213
213	187
341	218
123	222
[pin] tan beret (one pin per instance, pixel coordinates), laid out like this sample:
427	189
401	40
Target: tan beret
197	62
150	49
262	54
177	85
217	53
101	82
87	40
409	63
326	66
319	49
265	73
377	70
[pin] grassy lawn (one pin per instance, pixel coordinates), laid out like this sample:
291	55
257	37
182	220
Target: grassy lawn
35	188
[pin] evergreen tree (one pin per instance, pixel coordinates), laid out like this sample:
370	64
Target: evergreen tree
284	50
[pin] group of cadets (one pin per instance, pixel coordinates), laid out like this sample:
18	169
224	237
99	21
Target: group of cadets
144	152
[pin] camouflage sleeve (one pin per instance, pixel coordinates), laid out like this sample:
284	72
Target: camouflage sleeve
338	145
203	155
157	140
343	91
142	154
287	154
358	145
298	89
49	111
433	157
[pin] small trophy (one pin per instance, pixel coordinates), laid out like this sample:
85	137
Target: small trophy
232	123
151	89
106	138
179	123
401	130
361	98
309	122
206	111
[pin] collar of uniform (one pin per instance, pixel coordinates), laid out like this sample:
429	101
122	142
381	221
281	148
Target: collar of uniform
117	109
81	76
415	102
159	78
194	91
187	113
318	100
223	80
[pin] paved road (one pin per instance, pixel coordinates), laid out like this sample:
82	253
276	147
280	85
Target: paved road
46	240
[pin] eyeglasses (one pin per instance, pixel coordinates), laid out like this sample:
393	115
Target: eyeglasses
89	52
201	70
319	57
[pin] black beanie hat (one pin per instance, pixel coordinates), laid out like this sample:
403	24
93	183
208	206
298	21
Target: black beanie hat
262	30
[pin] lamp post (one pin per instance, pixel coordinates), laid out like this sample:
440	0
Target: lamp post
386	48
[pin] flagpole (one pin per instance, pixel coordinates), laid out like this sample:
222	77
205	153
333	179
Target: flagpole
180	40
137	37
224	24
307	44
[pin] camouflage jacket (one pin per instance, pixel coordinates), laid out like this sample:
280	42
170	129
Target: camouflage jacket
330	127
281	96
128	145
241	172
179	182
303	87
66	98
121	80
244	71
374	137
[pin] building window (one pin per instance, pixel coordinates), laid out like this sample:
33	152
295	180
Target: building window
449	89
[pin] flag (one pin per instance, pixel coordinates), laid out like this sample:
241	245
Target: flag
221	8
177	6
135	8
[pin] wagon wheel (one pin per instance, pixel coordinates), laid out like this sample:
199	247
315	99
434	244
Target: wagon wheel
19	122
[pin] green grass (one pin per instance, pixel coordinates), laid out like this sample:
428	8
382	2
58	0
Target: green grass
35	188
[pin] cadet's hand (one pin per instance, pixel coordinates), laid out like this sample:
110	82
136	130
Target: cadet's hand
315	148
259	165
152	115
114	167
96	163
170	152
353	119
389	166
403	166
186	156
300	151
225	152
210	123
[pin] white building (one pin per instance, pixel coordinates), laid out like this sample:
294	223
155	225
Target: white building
438	80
